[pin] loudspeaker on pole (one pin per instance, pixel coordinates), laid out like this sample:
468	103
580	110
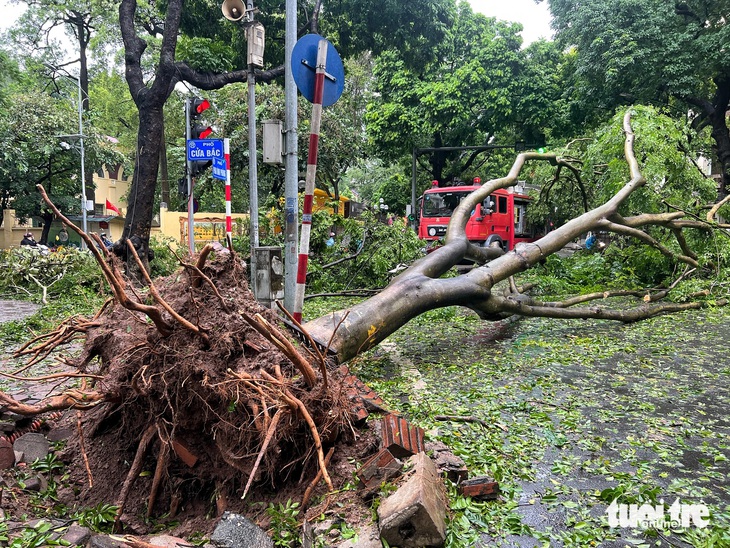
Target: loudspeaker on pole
233	10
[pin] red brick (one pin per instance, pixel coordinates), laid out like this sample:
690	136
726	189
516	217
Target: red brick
400	437
358	414
7	455
379	468
480	488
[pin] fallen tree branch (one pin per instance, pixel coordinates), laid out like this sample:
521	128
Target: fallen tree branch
469	418
714	209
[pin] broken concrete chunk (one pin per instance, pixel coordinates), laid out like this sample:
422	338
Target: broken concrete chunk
379	468
448	464
33	445
234	531
415	515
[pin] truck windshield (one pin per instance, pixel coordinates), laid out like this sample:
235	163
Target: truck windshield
442	204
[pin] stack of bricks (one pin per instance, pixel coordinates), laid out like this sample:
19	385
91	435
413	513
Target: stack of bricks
362	398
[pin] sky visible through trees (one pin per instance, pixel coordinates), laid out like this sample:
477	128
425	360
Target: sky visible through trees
535	18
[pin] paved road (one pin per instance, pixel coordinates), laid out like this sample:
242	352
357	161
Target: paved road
16	310
30	393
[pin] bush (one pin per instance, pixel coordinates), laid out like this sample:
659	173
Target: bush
382	248
165	262
25	271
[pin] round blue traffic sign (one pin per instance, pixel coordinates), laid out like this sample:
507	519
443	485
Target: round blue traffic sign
304	66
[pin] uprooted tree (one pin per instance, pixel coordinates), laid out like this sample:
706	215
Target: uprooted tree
192	378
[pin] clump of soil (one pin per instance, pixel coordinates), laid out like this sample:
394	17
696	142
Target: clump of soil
188	418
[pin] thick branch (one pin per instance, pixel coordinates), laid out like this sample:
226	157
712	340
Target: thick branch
644	237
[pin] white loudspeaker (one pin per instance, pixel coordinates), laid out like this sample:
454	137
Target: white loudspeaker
233	10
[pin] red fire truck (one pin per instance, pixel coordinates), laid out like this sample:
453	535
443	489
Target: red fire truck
498	220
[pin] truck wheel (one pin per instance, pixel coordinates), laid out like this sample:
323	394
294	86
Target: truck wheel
495	241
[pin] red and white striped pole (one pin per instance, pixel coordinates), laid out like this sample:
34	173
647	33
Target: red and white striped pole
227	157
309	181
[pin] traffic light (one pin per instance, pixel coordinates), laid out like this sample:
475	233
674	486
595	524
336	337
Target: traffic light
198	129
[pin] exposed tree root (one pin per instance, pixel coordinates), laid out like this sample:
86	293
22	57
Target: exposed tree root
134	471
198	379
310	488
70	399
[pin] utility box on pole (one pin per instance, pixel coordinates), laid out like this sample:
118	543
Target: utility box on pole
255	35
268	276
273	146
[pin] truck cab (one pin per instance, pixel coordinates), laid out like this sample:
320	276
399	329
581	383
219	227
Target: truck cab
498	220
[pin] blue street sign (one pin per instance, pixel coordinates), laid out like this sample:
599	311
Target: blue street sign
204	149
219	169
304	65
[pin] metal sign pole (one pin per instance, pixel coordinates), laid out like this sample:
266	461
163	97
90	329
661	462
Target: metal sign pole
191	237
227	156
309	182
291	175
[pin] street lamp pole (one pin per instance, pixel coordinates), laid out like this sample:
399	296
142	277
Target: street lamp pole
83	170
80	136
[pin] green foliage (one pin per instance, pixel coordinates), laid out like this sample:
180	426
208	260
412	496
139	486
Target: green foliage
205	55
374	180
665	151
643	48
464	97
32	537
99	518
284	525
66	271
165	262
50	464
385	247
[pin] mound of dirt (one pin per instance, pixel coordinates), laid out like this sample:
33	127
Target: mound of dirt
191	419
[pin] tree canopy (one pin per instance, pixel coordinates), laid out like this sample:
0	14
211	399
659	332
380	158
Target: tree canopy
653	52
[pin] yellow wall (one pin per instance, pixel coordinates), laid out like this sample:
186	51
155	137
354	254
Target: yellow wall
207	227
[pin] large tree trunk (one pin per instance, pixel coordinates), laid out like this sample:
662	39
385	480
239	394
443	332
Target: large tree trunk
141	201
720	133
420	288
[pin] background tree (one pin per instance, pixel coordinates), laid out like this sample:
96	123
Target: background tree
654	52
150	96
467	95
78	20
34	154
